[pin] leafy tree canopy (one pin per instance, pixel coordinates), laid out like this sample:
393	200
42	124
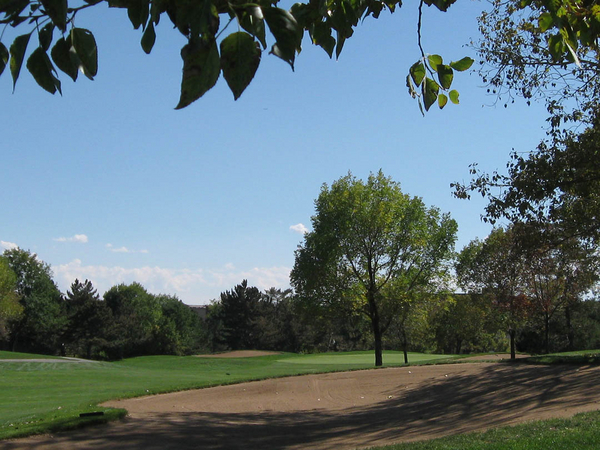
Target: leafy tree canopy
42	321
496	267
210	51
548	50
10	308
371	247
557	185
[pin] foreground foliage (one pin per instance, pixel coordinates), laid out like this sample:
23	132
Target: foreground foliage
570	24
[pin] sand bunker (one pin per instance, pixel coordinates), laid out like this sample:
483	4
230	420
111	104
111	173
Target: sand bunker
341	410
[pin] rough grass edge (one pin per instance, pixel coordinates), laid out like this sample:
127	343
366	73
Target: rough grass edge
68	423
538	434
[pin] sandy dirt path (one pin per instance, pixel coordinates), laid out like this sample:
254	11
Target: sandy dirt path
341	410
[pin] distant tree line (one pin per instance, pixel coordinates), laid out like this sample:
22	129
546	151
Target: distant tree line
538	310
128	321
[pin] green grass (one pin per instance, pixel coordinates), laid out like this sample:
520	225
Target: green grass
579	358
364	358
40	397
47	396
581	432
17	355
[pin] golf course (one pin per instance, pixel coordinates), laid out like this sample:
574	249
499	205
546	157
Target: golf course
271	400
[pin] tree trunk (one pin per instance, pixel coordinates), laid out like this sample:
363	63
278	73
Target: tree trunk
547	333
458	345
378	345
374	314
570	333
512	334
405	346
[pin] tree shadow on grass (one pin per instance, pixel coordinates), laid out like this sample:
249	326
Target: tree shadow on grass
498	395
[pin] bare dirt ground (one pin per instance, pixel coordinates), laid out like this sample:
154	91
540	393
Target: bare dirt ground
494	357
341	410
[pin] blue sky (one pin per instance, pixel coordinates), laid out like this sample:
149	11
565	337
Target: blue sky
110	183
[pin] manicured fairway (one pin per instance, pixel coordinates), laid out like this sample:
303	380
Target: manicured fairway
363	358
17	355
39	395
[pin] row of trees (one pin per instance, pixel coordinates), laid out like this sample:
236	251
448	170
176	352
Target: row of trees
534	310
127	321
378	270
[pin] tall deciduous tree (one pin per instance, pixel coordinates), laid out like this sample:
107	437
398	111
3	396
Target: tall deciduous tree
137	314
497	267
10	308
368	236
557	277
42	322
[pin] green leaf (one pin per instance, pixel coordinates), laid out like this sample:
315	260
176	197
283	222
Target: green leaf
453	96
149	38
45	36
435	61
445	75
430	92
442	100
442	5
138	12
57	11
62	57
545	21
40	67
240	58
411	86
13	7
4	55
321	36
462	64
288	34
250	19
417	72
85	50
17	55
201	69
556	46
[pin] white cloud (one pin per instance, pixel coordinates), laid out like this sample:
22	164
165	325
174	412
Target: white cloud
193	286
124	249
299	228
8	245
120	250
80	238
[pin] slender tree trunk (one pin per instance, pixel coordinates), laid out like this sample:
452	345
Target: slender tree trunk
547	333
512	334
570	333
458	345
374	313
378	344
405	346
